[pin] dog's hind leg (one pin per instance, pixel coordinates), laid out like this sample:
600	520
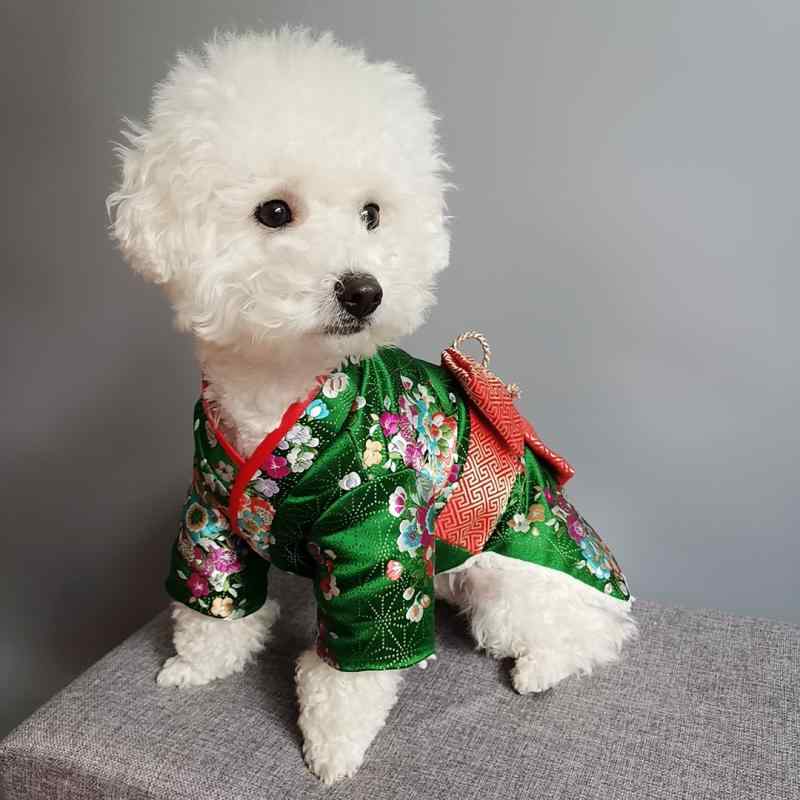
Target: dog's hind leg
209	648
553	625
340	714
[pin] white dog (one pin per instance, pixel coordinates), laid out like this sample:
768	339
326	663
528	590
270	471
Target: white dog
289	196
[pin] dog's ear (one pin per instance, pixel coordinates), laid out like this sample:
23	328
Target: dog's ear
143	220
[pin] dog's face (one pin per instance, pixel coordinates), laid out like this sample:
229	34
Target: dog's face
287	193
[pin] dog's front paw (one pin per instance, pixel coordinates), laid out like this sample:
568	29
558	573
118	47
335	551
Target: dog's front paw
331	760
177	671
340	714
527	676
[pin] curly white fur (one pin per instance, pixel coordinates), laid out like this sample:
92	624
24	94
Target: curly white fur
209	648
286	115
340	714
553	625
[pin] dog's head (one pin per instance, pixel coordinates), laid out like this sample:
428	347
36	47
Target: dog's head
286	189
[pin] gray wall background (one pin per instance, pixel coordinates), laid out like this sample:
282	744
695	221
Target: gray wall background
625	232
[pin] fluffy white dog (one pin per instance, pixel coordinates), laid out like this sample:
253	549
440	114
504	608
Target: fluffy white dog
289	196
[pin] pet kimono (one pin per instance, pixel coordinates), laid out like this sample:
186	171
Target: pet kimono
390	471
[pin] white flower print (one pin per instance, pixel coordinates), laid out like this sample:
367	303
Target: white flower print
425	488
217	580
350	481
266	486
398	444
426	394
519	522
335	384
300	460
408	593
361	401
225	471
301	434
415	612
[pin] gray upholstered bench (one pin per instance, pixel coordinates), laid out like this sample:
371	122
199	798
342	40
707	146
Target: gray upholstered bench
704	705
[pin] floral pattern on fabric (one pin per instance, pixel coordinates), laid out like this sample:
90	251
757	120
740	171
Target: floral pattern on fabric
541	526
424	439
597	558
350	497
294	454
212	560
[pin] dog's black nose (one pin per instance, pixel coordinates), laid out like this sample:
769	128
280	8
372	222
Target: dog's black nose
359	294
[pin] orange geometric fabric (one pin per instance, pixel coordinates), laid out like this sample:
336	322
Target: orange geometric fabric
496	403
498	435
484	486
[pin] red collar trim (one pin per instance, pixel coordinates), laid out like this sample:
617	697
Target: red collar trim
246	469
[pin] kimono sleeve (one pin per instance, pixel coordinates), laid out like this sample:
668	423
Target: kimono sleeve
373	550
214	571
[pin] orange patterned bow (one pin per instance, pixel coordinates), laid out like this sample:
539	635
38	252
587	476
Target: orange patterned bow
495	401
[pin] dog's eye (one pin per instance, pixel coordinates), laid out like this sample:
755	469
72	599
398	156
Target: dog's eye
274	213
371	216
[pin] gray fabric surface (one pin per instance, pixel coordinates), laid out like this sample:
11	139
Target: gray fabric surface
704	705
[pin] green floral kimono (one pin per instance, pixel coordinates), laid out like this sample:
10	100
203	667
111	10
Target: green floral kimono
348	491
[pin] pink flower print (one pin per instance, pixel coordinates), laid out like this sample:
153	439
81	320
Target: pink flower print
397	502
276	466
426	539
575	529
452	476
394	569
390	423
406	430
197	585
200	564
224	560
413	456
422	518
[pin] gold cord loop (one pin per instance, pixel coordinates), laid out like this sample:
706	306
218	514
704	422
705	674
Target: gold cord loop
512	388
478	337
